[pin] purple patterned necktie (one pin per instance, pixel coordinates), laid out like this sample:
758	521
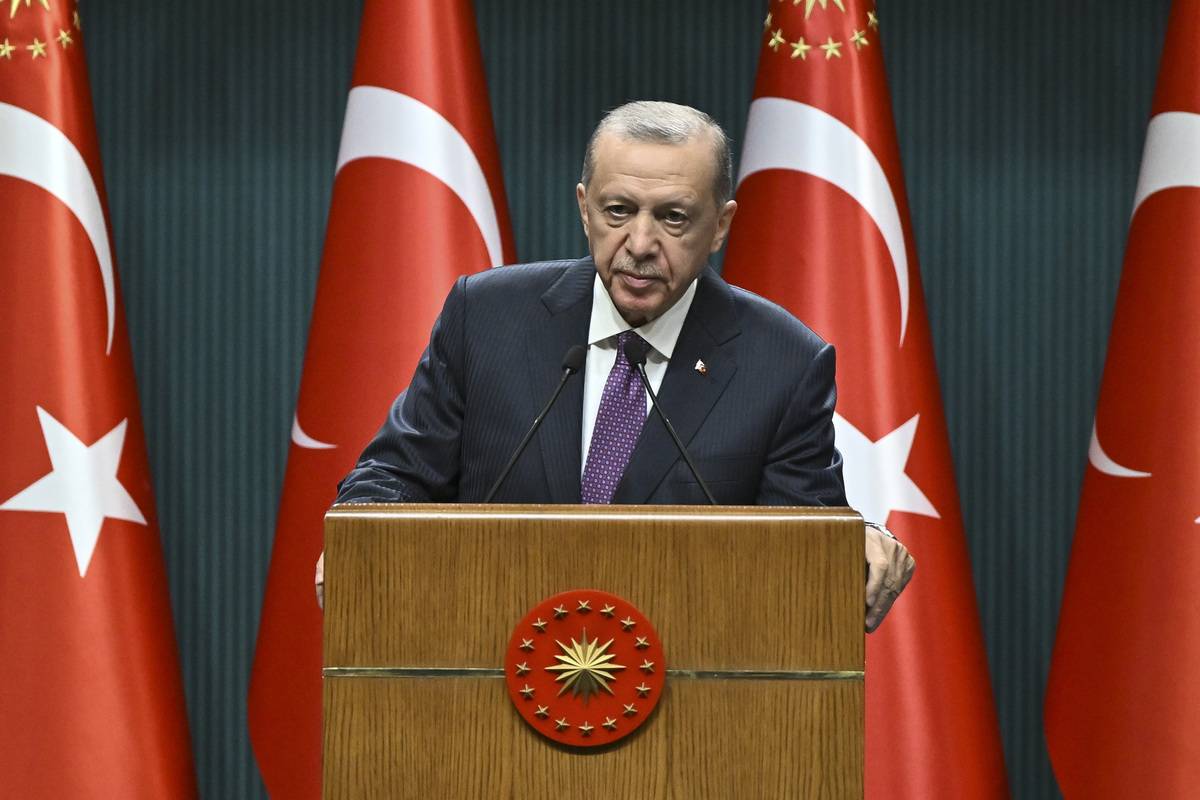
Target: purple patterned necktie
618	424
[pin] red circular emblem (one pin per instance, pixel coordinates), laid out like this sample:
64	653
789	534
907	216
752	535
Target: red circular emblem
584	668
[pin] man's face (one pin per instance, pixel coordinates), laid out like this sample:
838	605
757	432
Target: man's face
651	220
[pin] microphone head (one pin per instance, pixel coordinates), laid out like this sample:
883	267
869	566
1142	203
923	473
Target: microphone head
574	358
635	350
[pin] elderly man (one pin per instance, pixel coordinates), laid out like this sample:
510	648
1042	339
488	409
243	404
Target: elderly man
748	387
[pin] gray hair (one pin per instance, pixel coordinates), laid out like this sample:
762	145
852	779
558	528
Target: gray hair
666	123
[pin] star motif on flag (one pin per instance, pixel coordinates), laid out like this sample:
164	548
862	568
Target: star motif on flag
82	485
808	5
36	49
6	50
876	483
800	49
64	39
12	12
832	48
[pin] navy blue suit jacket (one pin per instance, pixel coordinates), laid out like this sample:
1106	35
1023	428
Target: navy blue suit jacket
758	424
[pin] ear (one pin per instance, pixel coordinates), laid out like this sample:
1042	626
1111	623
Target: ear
581	198
724	220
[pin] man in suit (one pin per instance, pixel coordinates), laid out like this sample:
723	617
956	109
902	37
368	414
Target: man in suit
749	388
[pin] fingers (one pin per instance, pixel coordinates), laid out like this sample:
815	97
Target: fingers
320	581
876	612
889	569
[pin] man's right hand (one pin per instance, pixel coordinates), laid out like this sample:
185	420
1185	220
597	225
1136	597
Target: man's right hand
321	581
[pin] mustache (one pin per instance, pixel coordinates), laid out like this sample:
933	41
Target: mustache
638	269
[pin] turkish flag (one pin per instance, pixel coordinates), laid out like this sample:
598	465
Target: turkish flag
91	703
1122	709
417	201
823	229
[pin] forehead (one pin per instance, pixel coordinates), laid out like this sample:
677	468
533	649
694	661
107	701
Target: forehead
628	165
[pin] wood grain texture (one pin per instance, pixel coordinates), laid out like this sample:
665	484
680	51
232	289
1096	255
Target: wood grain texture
459	738
728	588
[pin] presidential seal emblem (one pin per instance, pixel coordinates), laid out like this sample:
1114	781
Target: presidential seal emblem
584	668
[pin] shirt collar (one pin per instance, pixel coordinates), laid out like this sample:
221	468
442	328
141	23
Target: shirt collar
661	333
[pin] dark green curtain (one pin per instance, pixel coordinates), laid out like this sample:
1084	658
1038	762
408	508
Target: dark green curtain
1020	125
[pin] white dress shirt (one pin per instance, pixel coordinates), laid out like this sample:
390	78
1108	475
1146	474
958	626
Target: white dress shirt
661	334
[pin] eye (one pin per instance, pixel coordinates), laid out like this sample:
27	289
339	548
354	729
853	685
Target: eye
675	218
617	211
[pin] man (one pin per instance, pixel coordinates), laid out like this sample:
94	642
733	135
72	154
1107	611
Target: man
748	387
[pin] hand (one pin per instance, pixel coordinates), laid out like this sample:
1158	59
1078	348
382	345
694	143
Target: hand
321	581
889	569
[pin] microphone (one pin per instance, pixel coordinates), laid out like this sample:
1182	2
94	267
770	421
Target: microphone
571	363
635	353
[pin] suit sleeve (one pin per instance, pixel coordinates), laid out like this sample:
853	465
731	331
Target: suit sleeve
803	468
415	456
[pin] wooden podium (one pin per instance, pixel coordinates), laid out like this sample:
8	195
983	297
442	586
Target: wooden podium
760	612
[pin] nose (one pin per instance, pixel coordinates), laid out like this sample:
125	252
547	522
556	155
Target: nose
642	241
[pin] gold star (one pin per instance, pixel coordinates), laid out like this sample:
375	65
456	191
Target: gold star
64	39
800	49
647	666
522	668
559	612
561	724
608	610
586	728
767	22
15	3
527	692
642	690
527	644
808	7
832	48
37	48
584	607
776	40
610	723
872	20
6	50
585	668
859	39
542	712
642	644
628	623
540	625
630	709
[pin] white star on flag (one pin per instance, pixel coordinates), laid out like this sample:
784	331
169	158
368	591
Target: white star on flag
82	485
876	483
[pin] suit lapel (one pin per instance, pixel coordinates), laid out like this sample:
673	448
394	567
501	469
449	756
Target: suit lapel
686	395
568	303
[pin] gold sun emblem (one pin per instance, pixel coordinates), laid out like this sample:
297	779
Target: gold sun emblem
12	11
808	5
586	667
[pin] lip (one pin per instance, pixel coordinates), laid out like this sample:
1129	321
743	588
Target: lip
634	282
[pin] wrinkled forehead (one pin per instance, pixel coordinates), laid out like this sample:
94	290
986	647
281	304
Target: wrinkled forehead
647	164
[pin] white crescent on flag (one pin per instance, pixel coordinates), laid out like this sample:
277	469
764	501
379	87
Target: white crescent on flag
381	123
785	134
1172	155
33	150
1101	461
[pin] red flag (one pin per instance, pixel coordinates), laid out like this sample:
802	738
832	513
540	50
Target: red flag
1122	700
418	200
91	699
823	229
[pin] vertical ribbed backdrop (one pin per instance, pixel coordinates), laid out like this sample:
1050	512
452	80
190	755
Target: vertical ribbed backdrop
1020	125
